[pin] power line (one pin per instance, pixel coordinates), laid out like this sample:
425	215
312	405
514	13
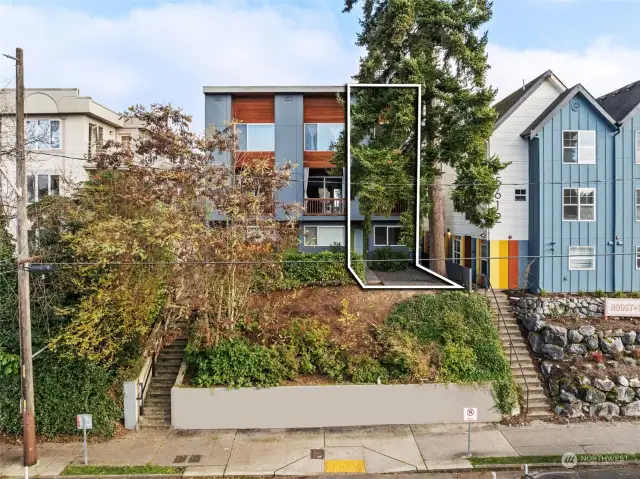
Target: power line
275	261
295	180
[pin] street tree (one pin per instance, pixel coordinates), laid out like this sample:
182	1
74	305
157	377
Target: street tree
439	45
185	241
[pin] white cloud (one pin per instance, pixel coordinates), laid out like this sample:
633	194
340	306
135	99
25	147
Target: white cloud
169	52
601	67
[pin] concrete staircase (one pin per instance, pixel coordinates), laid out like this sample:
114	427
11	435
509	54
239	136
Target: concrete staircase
157	404
517	351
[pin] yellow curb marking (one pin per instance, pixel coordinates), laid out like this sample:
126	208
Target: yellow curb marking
344	465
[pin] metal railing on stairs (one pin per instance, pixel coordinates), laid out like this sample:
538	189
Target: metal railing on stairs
152	351
512	350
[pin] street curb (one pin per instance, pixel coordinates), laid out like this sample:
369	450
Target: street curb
113	476
548	465
480	467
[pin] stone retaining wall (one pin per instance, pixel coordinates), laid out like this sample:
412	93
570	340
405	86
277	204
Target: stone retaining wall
578	395
579	363
580	306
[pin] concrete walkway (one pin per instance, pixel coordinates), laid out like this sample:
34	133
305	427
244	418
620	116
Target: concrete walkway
371	450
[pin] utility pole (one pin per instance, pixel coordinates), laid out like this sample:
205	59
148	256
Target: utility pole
26	363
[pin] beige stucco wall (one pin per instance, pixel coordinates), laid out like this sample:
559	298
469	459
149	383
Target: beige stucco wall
75	114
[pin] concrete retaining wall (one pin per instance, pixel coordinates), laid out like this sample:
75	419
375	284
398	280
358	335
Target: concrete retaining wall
327	406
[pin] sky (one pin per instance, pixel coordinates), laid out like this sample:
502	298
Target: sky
122	52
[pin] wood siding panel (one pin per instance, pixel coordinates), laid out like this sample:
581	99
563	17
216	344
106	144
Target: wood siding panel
244	158
254	109
513	264
318	159
322	109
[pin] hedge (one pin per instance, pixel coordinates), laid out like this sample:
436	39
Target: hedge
63	389
389	260
325	268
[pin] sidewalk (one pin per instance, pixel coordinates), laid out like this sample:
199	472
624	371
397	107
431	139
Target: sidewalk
382	449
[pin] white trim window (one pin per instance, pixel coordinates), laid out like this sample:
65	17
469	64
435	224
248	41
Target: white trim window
256	136
637	204
578	204
637	257
457	249
638	147
321	136
323	235
386	235
125	140
582	258
41	185
521	195
579	147
43	134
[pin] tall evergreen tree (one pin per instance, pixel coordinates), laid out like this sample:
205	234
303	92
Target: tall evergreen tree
438	44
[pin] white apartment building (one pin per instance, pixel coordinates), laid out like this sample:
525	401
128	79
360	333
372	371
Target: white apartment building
63	131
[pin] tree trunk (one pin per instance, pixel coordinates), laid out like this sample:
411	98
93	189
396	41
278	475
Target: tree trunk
436	227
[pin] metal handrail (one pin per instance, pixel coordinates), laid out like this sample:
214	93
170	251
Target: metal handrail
512	350
151	372
154	345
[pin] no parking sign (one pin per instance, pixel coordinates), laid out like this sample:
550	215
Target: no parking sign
470	414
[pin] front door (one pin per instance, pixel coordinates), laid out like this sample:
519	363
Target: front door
357	242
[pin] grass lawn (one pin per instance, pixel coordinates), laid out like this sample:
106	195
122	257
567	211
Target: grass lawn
582	458
82	470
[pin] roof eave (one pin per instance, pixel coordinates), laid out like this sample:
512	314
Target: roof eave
517	104
634	111
275	89
577	89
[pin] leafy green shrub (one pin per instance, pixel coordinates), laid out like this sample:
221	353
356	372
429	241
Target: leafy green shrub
384	260
336	248
63	389
314	352
9	364
461	326
458	362
237	363
364	369
404	357
322	268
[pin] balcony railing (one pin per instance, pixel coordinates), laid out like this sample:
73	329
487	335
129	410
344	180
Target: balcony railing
324	206
399	208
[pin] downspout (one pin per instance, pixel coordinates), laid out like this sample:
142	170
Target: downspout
615	216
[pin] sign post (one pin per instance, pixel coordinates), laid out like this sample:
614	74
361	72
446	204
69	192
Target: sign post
84	422
470	415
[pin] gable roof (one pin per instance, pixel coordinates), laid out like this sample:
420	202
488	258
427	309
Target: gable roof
622	102
511	102
560	103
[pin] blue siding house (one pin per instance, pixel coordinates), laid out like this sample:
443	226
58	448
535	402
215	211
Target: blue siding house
624	105
583	228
